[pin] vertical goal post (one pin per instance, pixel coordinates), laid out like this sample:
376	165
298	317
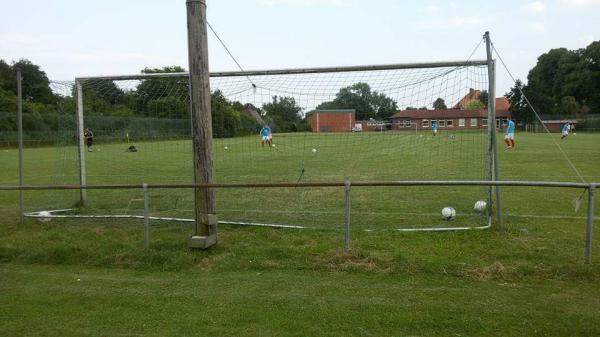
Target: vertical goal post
493	149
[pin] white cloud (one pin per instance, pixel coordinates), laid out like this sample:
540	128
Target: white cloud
580	3
460	21
447	16
432	9
305	3
586	39
114	57
537	27
534	7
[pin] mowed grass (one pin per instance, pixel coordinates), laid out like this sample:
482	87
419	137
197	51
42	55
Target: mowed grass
93	277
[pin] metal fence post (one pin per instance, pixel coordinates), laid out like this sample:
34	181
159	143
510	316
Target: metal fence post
347	187
146	217
590	224
20	132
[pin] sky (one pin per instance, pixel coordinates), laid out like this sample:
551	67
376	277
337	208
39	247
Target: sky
71	38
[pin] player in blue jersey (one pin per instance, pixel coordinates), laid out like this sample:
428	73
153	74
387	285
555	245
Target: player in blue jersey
565	130
434	127
509	137
266	136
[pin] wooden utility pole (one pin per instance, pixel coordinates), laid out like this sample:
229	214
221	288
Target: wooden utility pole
205	229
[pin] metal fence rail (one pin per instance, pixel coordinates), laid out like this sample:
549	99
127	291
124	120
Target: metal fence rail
347	185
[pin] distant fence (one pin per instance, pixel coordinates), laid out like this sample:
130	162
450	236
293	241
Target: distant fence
347	185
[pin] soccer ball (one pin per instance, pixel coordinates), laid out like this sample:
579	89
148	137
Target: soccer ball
226	147
314	150
448	213
274	145
480	206
45	216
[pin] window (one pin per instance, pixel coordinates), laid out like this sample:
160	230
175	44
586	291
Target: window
461	122
473	121
450	123
425	123
484	122
442	123
407	123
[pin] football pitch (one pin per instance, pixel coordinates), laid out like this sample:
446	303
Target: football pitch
93	277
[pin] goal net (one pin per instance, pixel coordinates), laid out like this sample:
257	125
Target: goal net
371	123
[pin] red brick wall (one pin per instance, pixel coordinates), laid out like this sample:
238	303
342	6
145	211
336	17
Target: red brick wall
455	126
555	126
332	121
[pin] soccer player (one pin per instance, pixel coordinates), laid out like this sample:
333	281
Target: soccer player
434	127
266	136
89	138
509	137
565	130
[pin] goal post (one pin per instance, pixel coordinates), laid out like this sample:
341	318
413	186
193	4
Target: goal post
493	150
80	143
152	111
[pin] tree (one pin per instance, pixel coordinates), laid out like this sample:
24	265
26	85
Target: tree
153	95
8	101
440	104
483	98
367	103
590	57
8	80
561	73
519	108
569	106
474	105
283	113
36	85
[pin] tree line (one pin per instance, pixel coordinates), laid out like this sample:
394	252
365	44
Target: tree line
562	83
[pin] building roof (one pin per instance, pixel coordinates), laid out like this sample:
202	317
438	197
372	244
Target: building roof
450	113
560	121
332	111
502	103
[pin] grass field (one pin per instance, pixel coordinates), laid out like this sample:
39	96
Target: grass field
93	277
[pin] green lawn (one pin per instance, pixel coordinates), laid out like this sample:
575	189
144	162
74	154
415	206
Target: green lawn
527	280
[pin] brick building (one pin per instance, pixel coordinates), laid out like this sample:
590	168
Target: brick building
453	119
374	125
556	125
333	120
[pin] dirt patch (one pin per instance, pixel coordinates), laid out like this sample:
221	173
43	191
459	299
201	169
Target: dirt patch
353	261
494	271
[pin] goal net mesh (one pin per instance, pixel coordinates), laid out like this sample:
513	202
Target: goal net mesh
142	134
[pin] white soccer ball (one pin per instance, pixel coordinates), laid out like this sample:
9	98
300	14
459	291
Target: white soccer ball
480	206
448	213
226	147
314	150
45	216
274	145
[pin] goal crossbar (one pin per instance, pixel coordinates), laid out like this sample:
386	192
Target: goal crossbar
291	71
